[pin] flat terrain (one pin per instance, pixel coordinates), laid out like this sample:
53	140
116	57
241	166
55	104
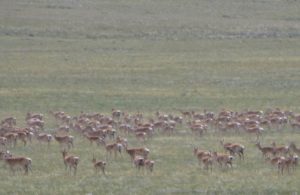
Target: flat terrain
144	56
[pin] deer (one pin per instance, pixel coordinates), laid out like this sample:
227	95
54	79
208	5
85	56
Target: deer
295	125
10	121
65	140
63	128
70	161
255	130
141	136
234	148
122	140
205	157
18	162
35	123
5	154
223	159
21	135
57	114
114	147
275	160
34	115
95	139
201	154
116	114
99	165
287	163
42	137
3	142
294	148
186	114
284	150
207	162
11	138
265	150
139	161
132	152
149	164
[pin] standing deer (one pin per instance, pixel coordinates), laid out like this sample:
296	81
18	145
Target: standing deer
99	165
70	161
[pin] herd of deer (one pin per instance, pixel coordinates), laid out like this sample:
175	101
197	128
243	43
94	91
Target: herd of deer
98	128
284	157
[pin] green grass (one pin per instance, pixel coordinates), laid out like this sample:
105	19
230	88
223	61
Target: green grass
176	169
146	56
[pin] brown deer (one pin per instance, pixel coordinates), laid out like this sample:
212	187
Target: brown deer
223	159
132	152
287	163
283	150
201	154
3	142
11	138
265	150
114	147
43	137
294	148
65	140
16	163
234	148
70	161
99	165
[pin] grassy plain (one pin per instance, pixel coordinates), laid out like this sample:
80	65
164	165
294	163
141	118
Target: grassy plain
145	56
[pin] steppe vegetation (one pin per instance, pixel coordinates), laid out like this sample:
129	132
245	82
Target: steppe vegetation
142	57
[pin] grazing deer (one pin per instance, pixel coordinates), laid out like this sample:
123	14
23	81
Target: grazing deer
70	161
99	165
234	148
